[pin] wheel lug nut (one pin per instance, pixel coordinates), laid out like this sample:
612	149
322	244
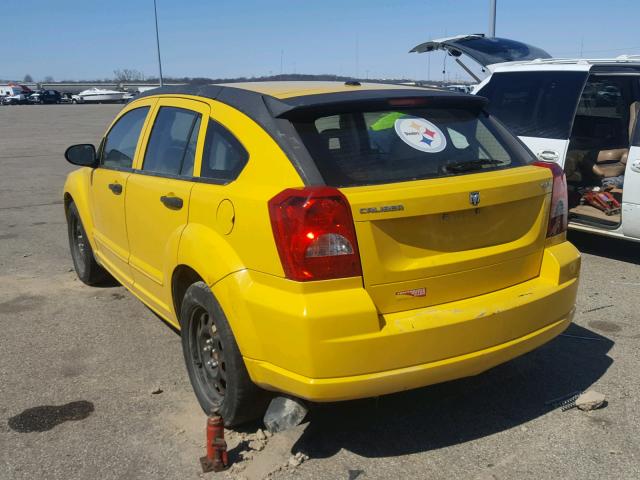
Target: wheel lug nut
212	363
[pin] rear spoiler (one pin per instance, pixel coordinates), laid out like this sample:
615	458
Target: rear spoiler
383	99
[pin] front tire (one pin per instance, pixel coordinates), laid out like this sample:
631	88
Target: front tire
84	262
216	369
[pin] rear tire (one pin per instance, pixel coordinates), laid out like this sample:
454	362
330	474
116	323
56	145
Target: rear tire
216	369
84	262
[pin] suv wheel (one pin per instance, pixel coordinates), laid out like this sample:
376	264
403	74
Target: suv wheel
84	262
216	369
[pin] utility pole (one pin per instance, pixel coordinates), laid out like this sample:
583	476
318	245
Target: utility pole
155	12
492	18
357	57
428	63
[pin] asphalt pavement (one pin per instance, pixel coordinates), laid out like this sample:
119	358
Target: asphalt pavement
92	383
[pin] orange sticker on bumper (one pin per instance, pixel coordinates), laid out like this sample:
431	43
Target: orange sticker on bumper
414	292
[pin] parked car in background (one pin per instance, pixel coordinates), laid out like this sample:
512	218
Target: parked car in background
45	96
330	241
579	113
460	88
16	99
13	94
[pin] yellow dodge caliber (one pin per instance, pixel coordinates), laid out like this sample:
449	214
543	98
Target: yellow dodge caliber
330	241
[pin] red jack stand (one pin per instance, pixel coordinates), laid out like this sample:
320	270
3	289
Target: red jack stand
216	459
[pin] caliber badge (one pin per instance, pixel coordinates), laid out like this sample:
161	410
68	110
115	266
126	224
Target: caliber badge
382	209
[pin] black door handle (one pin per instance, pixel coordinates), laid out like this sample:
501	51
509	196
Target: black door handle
174	203
116	188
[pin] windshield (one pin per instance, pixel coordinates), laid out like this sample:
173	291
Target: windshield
372	147
535	104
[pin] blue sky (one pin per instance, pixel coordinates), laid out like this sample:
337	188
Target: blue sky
219	38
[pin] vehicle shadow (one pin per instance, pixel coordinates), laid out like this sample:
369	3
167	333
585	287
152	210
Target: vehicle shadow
456	412
613	248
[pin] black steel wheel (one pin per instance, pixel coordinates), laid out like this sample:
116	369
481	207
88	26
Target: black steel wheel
216	369
84	262
207	356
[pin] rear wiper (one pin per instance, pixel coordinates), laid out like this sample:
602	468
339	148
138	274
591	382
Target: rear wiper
470	166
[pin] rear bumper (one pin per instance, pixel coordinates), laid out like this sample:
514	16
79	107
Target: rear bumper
390	381
325	341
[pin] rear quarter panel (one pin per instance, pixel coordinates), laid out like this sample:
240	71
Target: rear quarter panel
229	228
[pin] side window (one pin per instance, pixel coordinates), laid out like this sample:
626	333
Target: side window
224	157
603	117
603	97
120	143
172	144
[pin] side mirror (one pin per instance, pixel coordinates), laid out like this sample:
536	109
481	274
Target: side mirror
83	155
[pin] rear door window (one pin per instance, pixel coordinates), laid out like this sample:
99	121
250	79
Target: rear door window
172	145
121	141
535	104
372	147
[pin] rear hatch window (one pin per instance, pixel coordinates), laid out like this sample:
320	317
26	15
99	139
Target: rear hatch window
484	50
366	147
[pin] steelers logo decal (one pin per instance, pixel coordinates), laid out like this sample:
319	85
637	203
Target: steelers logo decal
420	134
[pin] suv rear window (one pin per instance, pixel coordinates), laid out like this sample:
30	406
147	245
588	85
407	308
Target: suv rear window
372	147
535	104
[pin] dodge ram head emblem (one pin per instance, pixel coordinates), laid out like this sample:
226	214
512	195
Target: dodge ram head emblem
474	198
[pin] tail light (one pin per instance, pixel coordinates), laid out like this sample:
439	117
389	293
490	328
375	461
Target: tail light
314	232
558	215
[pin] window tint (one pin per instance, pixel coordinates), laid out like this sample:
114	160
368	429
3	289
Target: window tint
224	157
535	104
172	144
120	143
372	147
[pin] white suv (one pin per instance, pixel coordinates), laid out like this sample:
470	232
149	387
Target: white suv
580	113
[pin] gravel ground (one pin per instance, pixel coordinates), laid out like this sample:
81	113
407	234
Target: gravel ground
79	365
